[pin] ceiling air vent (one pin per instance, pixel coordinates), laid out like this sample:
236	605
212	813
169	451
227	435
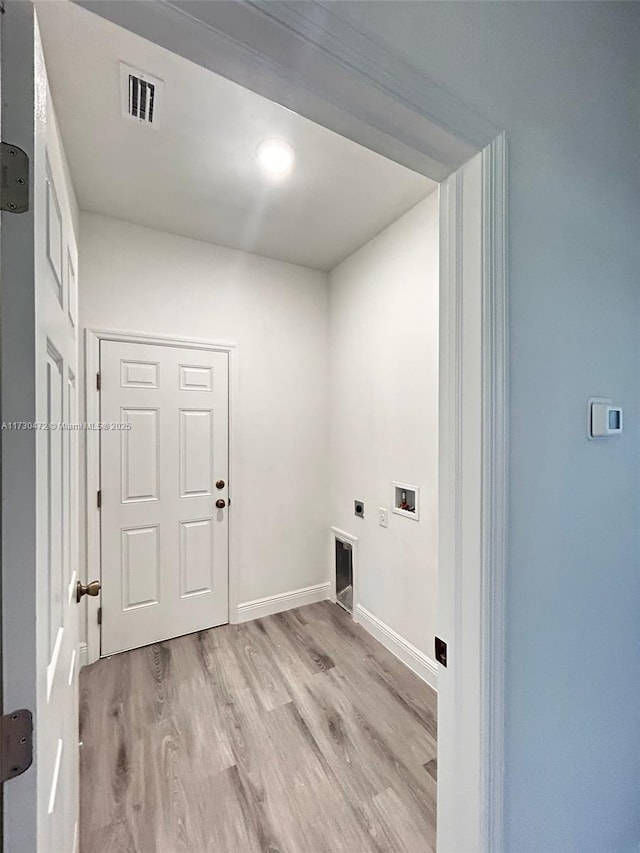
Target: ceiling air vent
140	95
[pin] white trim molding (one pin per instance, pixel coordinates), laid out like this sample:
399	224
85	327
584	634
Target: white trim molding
417	661
473	502
93	337
495	485
260	607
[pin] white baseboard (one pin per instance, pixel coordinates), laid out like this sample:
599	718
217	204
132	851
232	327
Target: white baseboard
83	657
417	661
283	601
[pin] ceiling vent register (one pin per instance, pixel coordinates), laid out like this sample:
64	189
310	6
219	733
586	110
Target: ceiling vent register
140	95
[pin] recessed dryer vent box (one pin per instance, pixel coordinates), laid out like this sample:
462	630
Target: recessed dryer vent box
406	500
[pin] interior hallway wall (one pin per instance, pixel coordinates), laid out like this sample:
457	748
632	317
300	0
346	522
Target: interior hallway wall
384	416
562	80
141	280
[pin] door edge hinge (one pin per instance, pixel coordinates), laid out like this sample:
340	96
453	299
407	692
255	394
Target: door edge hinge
98	381
14	179
100	615
16	740
99	498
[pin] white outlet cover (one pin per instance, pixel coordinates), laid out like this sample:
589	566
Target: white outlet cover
383	517
598	413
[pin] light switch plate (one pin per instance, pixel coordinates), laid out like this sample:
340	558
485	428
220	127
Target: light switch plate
604	420
383	517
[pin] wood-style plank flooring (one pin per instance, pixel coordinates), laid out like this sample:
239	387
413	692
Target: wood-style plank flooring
297	733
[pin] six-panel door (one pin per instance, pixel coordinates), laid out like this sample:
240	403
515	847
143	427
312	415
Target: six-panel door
56	262
164	446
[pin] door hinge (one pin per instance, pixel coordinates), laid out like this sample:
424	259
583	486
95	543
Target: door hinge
16	739
99	615
99	381
441	651
14	182
99	498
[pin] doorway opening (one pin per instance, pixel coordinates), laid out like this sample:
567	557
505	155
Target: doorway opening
117	266
317	259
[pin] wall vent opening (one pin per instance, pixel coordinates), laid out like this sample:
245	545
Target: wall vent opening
140	95
344	575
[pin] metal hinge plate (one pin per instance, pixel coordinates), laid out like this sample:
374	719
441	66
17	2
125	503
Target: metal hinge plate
99	499
99	381
16	738
14	179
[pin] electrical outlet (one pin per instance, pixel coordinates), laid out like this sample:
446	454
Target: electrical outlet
383	518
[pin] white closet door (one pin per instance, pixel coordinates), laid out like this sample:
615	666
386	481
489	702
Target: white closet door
164	488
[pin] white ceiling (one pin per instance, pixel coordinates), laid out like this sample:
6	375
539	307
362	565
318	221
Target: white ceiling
196	173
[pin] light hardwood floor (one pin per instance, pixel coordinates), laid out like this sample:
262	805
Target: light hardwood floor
297	733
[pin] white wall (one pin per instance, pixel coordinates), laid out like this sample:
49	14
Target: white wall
374	343
562	79
138	279
384	416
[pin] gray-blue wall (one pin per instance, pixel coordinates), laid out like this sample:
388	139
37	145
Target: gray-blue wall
562	79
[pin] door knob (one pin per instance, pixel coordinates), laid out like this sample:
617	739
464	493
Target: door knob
220	484
220	503
92	588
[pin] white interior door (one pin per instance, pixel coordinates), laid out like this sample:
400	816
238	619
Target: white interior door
164	492
57	488
39	356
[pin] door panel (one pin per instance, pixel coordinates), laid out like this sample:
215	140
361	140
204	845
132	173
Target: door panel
52	471
139	455
56	449
196	453
39	470
164	542
196	557
140	563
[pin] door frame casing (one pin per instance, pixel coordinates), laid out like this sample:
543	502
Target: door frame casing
92	339
473	501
